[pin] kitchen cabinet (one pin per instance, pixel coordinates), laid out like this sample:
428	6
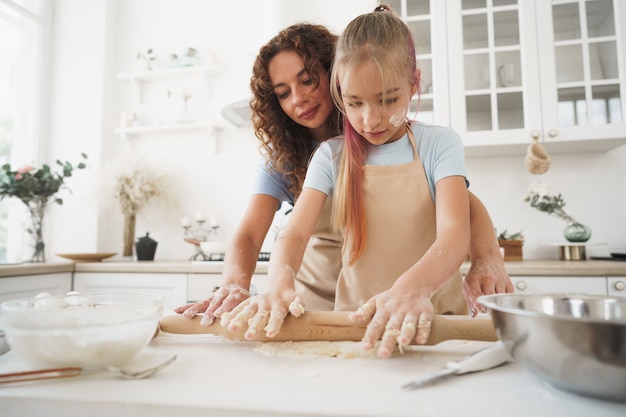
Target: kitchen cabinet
425	18
199	286
170	100
616	286
551	71
26	286
506	73
586	285
172	286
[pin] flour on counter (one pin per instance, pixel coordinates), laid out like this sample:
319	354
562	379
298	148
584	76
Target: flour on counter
343	350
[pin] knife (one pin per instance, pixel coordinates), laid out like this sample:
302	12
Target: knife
481	360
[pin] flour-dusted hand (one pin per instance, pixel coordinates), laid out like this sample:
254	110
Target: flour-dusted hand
223	300
485	278
264	312
395	317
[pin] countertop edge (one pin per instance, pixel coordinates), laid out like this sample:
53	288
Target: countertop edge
545	267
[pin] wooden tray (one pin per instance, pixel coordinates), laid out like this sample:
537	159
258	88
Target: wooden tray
86	257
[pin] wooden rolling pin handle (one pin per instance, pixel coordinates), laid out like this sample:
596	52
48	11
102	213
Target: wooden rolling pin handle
332	326
461	328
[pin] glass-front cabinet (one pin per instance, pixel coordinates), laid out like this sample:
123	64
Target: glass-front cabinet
504	73
427	21
523	70
587	74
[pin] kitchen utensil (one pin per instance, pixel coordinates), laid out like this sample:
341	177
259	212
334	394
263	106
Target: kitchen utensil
331	325
80	330
75	371
481	360
575	342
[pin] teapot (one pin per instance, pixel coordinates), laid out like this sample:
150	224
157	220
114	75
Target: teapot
145	247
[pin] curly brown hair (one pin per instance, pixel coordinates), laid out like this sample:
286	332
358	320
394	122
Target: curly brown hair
286	144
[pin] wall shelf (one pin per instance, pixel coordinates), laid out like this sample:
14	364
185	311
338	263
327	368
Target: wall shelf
160	74
173	128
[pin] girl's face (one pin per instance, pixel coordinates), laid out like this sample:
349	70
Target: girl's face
376	120
300	100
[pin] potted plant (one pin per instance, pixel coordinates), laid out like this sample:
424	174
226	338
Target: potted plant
511	244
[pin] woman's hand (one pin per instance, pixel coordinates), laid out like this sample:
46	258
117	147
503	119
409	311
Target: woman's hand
223	300
484	278
395	317
265	312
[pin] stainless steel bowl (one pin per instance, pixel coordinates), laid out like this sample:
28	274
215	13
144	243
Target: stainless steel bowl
575	342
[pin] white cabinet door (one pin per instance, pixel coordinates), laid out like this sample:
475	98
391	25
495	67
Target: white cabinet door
199	286
617	286
173	287
26	286
580	285
553	71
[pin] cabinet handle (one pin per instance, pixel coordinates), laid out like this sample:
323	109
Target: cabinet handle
521	285
553	133
620	285
536	134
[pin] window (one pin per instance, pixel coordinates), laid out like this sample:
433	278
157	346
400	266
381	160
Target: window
24	25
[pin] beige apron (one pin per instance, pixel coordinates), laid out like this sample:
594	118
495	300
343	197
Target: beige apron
316	280
401	226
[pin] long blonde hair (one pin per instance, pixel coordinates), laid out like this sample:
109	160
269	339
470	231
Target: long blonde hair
383	39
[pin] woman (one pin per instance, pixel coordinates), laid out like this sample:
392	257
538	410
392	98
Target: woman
293	114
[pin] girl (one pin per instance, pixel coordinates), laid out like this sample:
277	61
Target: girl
293	113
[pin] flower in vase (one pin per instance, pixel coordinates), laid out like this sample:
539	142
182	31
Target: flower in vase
36	187
540	198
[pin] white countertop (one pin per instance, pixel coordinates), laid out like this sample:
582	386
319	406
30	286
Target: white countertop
216	377
534	267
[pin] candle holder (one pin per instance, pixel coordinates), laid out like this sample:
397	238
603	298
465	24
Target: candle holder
197	234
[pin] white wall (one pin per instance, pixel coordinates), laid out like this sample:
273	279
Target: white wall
94	40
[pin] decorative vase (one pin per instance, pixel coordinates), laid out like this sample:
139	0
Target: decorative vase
129	234
37	211
577	232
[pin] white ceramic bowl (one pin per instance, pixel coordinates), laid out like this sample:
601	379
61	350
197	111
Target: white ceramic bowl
84	330
213	247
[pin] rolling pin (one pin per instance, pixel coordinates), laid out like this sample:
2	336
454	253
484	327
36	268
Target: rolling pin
335	326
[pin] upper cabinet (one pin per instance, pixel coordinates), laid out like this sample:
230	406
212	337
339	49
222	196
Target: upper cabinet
518	71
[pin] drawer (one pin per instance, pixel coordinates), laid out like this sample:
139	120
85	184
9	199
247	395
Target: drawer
581	285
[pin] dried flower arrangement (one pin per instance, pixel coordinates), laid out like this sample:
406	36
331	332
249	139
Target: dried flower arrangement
136	184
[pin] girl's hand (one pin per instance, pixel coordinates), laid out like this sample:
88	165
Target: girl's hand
395	317
264	312
223	300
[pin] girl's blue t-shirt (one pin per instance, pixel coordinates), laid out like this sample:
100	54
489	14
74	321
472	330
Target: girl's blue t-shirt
440	149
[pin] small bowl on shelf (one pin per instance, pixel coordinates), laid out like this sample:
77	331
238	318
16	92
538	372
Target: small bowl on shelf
80	330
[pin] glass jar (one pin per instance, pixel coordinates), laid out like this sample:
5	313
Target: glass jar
189	58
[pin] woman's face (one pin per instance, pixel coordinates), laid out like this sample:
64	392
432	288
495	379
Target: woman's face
300	100
378	118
